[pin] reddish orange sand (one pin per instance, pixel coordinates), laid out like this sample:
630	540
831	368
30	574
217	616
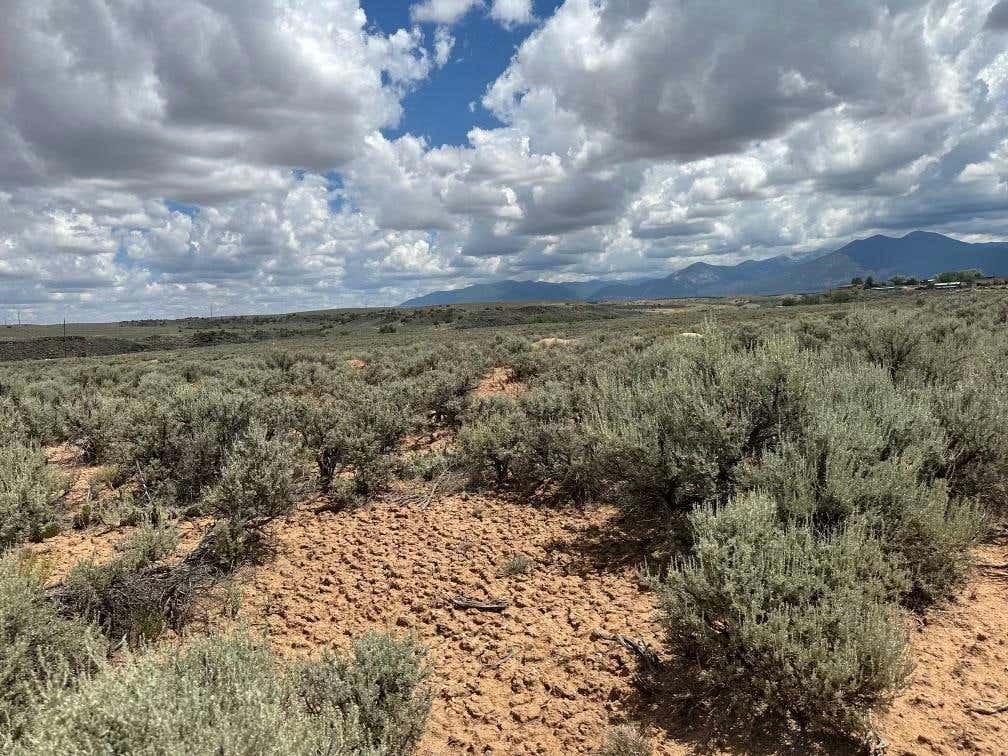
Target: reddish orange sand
961	657
533	679
500	381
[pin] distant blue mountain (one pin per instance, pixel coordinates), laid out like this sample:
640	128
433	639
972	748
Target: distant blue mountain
512	291
919	254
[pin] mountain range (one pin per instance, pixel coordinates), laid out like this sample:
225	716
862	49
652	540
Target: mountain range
919	254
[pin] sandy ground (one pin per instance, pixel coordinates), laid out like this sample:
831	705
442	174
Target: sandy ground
534	678
961	657
529	679
500	381
552	341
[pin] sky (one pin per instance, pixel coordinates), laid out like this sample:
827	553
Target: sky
159	158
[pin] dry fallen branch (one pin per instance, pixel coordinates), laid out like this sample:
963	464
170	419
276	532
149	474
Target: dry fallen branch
408	499
489	605
500	662
433	489
995	709
159	593
647	657
330	506
425	499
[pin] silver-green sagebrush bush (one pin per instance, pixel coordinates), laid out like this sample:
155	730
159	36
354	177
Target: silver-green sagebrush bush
355	431
534	439
29	492
775	621
94	425
375	701
230	695
38	410
178	442
673	432
869	451
261	480
493	439
974	416
40	651
895	343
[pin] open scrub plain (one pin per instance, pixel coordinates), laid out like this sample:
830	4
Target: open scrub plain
717	526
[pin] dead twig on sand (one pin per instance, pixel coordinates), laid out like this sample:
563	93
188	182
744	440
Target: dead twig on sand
995	709
145	487
330	506
488	605
500	662
434	488
425	499
648	658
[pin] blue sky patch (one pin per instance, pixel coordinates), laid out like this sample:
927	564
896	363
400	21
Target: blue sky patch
439	108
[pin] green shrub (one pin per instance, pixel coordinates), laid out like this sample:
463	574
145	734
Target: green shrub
179	442
489	441
377	700
29	490
104	478
537	439
892	342
444	395
673	430
12	425
230	696
556	447
259	481
357	432
428	466
778	622
974	417
627	740
868	451
40	652
93	426
43	411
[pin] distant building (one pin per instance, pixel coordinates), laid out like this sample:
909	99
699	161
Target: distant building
949	285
